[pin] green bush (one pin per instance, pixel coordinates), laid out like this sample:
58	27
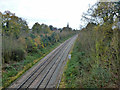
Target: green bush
18	54
31	46
12	50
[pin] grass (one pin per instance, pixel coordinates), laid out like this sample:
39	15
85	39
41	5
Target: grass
63	83
69	76
13	71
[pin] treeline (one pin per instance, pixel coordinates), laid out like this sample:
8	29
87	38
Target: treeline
95	62
18	39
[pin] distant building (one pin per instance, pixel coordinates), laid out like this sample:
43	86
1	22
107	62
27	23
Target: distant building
67	25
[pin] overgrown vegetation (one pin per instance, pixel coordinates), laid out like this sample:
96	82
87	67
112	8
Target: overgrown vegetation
23	47
95	62
15	69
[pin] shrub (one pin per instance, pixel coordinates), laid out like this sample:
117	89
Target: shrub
12	50
31	46
18	54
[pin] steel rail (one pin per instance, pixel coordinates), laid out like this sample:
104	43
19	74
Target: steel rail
52	67
54	54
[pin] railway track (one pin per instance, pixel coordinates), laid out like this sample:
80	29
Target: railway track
45	74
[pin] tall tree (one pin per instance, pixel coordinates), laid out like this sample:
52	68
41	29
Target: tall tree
13	25
36	28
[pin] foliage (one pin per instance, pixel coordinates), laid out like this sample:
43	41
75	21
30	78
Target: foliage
95	62
13	50
13	25
14	70
43	29
21	45
19	40
31	45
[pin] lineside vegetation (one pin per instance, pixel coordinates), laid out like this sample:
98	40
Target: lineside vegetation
95	59
23	47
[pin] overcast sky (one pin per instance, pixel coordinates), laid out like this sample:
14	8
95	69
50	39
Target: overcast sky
51	12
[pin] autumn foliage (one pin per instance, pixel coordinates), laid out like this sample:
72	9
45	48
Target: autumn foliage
19	40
